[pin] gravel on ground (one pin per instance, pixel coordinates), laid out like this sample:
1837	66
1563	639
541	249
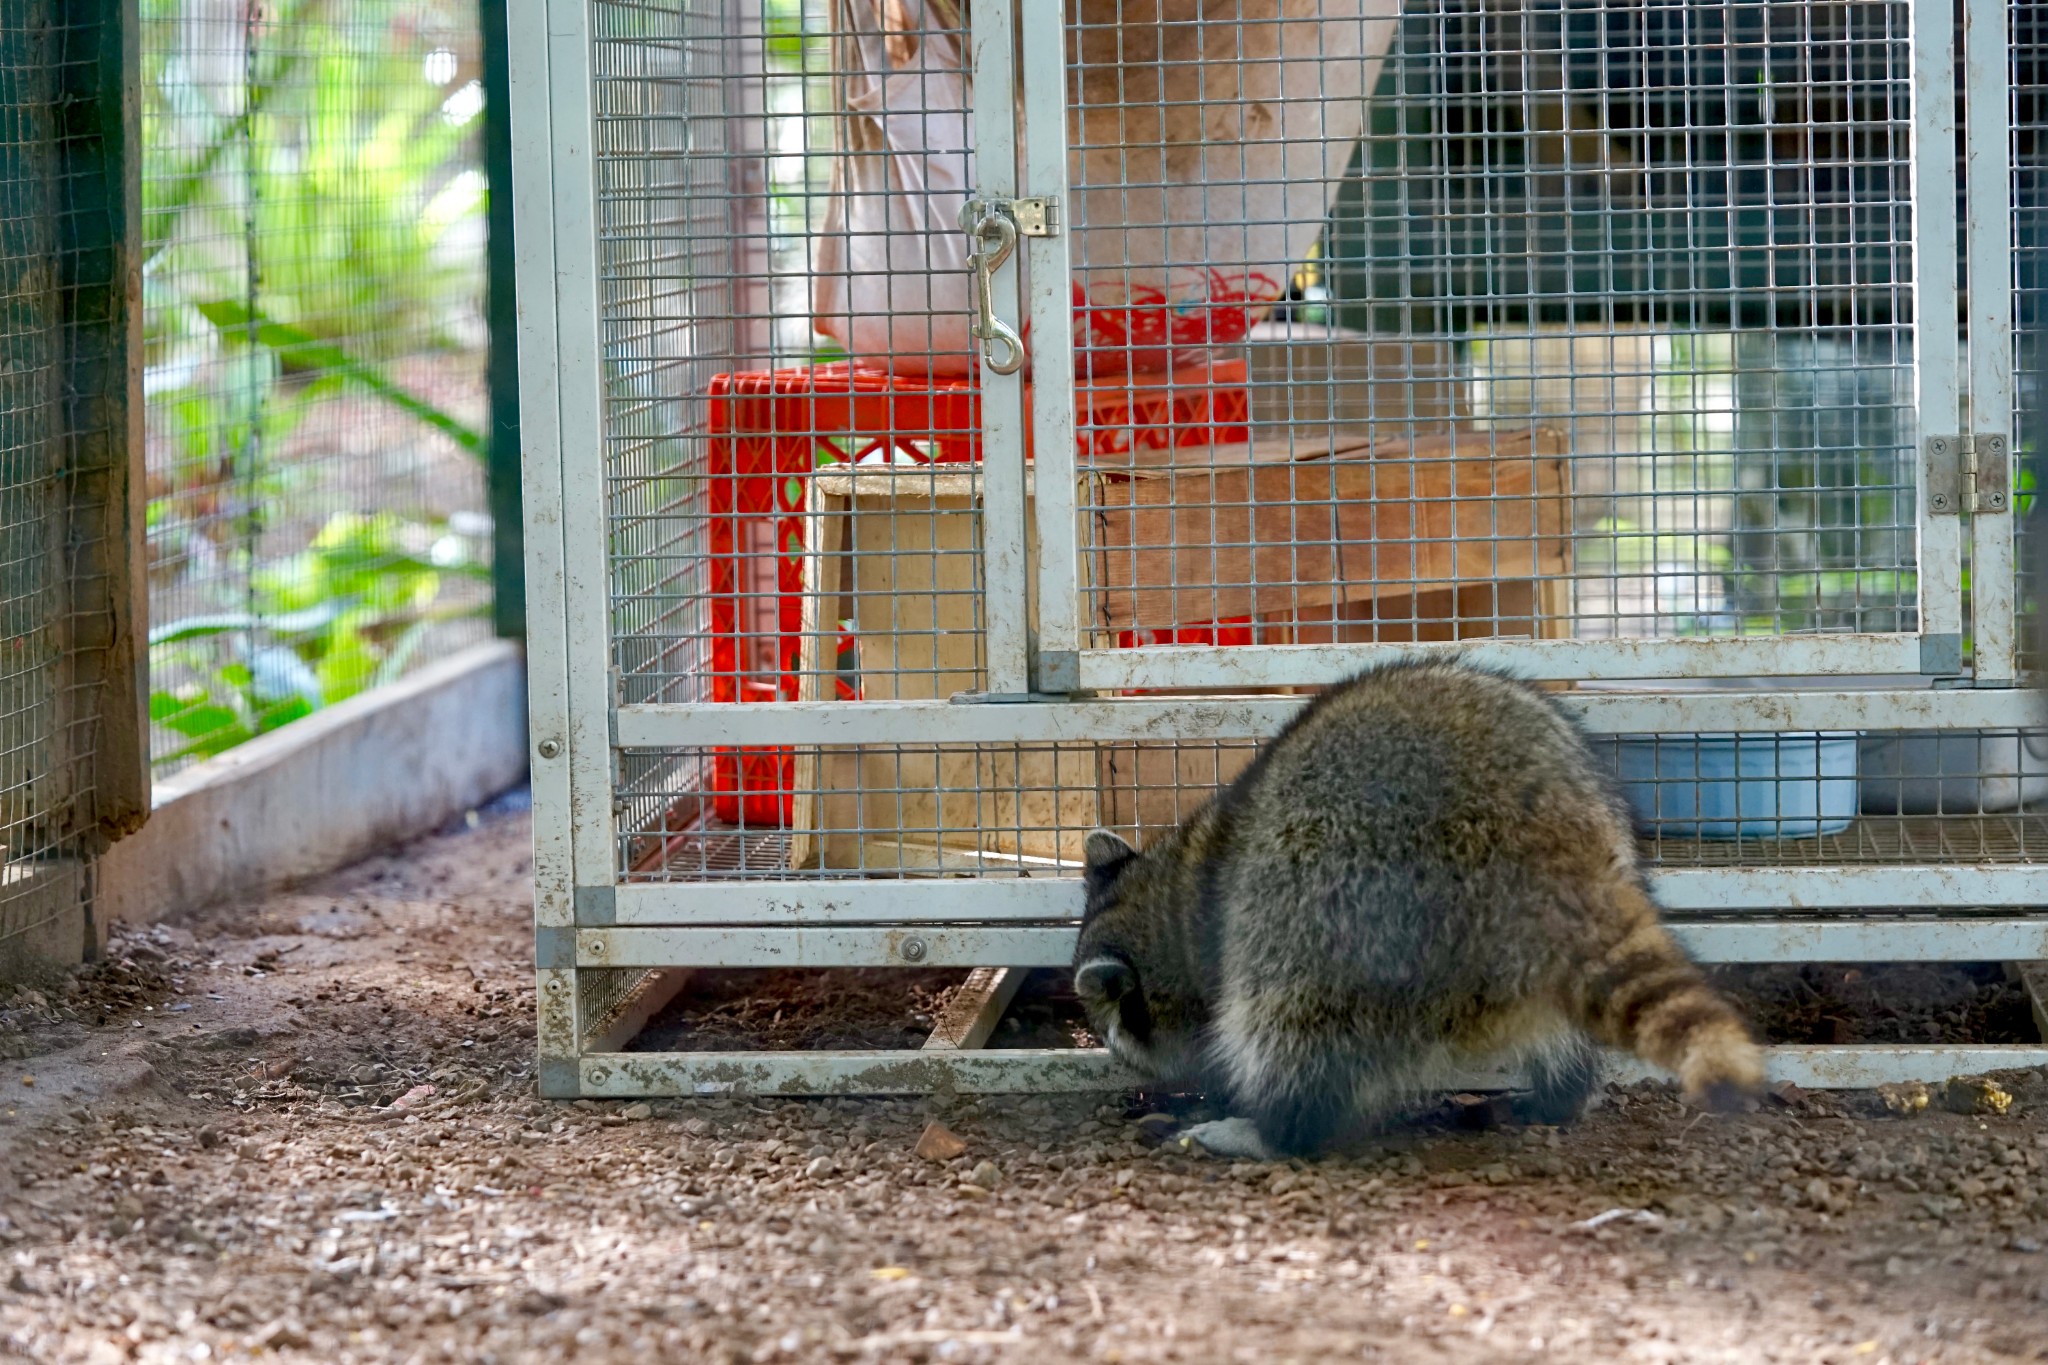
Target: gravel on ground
304	1128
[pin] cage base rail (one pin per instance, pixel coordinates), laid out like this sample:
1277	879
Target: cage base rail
656	1075
911	901
1847	939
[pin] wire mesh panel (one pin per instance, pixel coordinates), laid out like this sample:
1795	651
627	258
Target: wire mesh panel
2027	89
71	765
33	385
1610	308
784	523
316	348
971	430
1468	323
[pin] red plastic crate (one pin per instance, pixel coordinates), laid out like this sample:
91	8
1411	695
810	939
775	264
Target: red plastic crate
770	428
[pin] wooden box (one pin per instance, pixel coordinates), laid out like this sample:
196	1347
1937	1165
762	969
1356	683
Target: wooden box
896	550
1457	534
1345	532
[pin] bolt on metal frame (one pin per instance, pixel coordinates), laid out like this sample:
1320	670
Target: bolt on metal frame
653	264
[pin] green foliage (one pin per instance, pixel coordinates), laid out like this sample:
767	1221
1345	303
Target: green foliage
298	351
346	614
357	174
313	202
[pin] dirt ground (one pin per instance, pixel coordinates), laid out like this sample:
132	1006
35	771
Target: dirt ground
218	1145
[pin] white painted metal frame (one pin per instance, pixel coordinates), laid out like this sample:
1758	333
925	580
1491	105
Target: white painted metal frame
1043	52
1936	398
586	921
1988	185
538	163
1006	607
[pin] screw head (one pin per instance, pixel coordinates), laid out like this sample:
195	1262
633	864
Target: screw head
1996	501
551	748
912	950
1939	502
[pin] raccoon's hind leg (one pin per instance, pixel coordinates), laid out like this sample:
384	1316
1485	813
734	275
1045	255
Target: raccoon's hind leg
1304	1122
1287	1070
1562	1077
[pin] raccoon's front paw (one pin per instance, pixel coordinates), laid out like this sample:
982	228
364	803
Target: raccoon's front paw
1237	1137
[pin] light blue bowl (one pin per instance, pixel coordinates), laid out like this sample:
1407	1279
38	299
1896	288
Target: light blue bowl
1749	786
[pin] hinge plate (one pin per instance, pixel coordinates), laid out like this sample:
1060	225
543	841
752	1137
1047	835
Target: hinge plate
1036	217
1991	466
1941	458
1969	472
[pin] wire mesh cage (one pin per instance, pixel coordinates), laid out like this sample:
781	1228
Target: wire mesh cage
968	426
316	348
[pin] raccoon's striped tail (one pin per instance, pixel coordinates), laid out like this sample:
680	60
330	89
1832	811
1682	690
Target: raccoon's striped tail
1645	995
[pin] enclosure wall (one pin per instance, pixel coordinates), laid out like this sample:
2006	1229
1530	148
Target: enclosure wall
73	768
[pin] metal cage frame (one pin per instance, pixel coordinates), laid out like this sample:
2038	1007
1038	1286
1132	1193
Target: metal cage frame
610	951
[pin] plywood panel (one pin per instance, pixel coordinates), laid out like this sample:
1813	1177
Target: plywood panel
1193	543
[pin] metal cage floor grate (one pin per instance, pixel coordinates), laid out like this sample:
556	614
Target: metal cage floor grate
1875	839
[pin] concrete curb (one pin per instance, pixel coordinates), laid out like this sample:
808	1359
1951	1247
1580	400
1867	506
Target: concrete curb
327	790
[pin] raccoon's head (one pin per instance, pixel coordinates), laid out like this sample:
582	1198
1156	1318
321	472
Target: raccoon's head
1132	936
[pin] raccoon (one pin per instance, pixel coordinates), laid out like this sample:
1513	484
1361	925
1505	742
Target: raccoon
1425	871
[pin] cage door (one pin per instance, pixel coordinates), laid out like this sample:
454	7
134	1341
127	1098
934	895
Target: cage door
1626	384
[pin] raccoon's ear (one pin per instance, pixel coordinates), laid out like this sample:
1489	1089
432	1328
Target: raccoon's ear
1105	856
1112	978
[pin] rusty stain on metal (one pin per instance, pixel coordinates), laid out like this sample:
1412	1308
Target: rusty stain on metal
1092	1069
555	1016
874	1073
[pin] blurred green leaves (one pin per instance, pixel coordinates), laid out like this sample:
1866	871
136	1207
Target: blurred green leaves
314	201
346	614
300	352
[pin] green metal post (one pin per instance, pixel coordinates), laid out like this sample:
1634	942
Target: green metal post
508	550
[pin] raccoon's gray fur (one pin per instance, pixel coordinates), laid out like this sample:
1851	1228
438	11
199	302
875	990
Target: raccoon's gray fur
1425	870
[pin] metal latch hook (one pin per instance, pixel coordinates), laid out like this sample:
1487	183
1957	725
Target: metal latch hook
995	237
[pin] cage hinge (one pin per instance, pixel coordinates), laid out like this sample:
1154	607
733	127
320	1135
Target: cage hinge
615	697
1988	463
1968	472
1941	459
1035	217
